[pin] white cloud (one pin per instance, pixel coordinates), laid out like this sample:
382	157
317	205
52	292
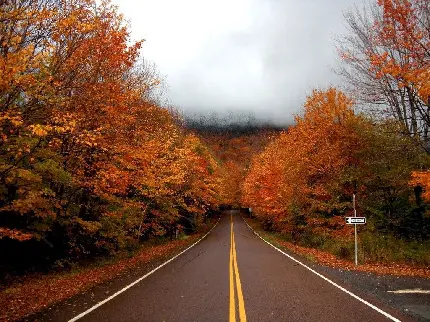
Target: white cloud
263	56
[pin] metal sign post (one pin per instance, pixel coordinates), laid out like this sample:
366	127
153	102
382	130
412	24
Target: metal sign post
355	231
355	221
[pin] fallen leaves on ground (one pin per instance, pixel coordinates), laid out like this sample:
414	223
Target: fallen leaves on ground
330	260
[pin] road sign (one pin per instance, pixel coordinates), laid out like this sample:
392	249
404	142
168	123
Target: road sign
355	220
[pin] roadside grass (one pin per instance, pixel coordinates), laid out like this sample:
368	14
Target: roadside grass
183	237
378	254
388	249
373	248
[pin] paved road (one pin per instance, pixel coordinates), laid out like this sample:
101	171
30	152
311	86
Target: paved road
232	275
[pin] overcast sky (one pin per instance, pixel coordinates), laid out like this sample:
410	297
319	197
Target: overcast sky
262	56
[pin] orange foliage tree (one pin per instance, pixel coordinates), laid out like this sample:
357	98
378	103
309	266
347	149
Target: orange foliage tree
299	172
89	162
405	28
399	53
304	180
387	59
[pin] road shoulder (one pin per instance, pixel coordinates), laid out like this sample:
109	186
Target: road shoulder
380	287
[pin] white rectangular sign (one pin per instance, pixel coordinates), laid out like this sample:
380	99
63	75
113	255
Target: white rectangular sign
355	220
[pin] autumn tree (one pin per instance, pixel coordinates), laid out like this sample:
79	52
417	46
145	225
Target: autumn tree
387	62
299	173
304	180
89	163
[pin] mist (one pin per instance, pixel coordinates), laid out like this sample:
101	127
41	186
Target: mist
248	56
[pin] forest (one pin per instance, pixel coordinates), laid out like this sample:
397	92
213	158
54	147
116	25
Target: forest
90	163
93	163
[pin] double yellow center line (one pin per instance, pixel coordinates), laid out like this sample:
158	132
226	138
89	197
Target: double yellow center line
234	277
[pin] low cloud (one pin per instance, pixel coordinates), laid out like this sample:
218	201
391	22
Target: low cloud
260	56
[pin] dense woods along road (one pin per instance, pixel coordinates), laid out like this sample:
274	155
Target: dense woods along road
232	275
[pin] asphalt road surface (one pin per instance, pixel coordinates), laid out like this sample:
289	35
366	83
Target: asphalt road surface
232	275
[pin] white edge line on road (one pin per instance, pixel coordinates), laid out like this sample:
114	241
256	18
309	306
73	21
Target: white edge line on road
139	279
326	279
410	291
